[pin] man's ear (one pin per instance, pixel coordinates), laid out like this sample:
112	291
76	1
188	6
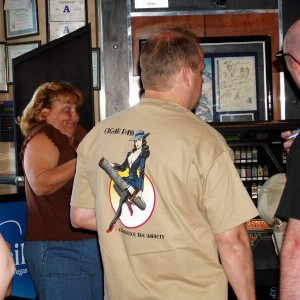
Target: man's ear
295	65
185	73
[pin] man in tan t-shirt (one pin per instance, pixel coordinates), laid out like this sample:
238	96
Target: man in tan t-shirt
159	186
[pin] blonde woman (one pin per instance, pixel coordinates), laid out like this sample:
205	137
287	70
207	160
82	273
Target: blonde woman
64	263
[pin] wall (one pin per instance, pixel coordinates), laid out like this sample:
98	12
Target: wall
213	26
7	149
92	17
121	39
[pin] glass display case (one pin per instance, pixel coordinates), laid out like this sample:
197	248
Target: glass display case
259	154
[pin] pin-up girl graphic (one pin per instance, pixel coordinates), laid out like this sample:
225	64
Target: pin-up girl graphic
130	185
135	161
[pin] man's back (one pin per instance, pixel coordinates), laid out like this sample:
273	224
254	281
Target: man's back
190	189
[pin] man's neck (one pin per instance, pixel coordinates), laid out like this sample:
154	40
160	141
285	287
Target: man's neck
164	95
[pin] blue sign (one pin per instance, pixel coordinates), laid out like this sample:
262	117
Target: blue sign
13	222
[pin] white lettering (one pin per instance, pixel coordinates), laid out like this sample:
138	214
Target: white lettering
21	272
18	254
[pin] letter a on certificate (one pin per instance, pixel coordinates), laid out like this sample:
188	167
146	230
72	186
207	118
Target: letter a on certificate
66	9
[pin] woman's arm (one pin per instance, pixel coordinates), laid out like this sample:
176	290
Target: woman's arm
40	164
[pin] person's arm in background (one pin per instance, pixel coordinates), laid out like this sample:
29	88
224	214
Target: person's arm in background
237	260
287	144
290	262
7	269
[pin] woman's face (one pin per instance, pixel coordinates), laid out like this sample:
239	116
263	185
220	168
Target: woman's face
63	115
138	143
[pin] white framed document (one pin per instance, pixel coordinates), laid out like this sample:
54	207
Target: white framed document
66	11
64	17
96	68
237	79
3	72
60	29
21	22
15	50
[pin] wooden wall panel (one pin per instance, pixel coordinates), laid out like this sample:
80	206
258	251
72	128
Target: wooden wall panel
245	24
144	27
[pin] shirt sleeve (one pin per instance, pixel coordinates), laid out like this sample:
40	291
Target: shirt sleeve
227	203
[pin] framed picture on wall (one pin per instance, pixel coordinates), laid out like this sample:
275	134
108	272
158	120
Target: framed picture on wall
15	50
237	79
21	21
3	74
96	68
64	17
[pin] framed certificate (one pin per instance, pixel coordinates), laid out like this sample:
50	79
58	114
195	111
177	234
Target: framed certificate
60	29
237	79
21	22
96	68
64	17
3	74
15	50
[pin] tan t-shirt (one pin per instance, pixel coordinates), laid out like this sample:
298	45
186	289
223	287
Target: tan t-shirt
190	190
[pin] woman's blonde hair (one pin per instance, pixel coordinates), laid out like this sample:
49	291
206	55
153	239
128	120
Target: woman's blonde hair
43	97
